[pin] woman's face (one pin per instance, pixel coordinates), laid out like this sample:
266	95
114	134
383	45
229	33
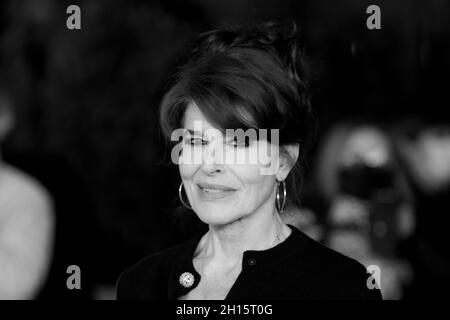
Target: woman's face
221	190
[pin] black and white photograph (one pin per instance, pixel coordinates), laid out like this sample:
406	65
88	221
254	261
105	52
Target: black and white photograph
234	150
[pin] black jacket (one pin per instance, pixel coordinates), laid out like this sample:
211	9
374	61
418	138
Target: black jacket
297	268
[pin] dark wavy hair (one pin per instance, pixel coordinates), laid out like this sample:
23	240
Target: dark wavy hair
252	76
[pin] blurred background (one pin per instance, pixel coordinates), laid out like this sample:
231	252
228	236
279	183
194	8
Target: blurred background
81	177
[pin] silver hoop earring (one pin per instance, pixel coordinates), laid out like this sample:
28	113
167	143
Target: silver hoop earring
181	196
280	204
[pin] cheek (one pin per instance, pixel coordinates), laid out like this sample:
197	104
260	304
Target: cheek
258	157
249	174
187	171
265	156
257	187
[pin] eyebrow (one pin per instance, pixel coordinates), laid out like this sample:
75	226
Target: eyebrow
192	132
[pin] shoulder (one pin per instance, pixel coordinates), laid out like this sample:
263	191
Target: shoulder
25	200
14	182
335	275
148	278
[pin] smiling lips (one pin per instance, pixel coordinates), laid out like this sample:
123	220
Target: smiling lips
214	191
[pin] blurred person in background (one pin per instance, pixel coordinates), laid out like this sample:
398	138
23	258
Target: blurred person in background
424	147
370	209
26	223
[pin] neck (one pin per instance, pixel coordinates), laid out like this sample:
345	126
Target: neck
258	231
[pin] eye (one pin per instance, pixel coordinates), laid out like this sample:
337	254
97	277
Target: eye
240	143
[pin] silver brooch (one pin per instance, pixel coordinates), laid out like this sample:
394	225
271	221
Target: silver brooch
186	279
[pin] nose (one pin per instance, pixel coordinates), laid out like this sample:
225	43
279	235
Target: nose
213	157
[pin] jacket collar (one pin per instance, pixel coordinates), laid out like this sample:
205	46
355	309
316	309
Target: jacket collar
251	259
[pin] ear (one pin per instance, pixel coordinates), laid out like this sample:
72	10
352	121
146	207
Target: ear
288	157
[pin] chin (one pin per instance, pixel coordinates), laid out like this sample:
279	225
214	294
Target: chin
212	215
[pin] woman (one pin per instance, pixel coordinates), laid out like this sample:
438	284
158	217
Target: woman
236	83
